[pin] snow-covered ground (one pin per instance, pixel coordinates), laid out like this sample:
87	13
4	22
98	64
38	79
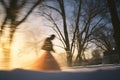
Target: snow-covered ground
96	72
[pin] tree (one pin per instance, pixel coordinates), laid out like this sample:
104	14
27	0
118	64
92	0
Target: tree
64	37
103	38
115	23
80	23
90	19
12	10
96	56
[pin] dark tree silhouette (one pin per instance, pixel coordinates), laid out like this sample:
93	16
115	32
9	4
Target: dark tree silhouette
103	38
12	9
115	23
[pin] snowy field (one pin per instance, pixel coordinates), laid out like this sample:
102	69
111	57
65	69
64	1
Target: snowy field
96	72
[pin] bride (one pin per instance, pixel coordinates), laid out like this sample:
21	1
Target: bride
46	61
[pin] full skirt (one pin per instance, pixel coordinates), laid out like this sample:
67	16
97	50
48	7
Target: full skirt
46	62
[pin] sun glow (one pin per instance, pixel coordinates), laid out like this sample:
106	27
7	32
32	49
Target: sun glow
24	47
22	55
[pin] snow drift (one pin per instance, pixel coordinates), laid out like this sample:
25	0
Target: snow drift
109	72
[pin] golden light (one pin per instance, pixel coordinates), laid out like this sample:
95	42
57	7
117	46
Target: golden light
23	57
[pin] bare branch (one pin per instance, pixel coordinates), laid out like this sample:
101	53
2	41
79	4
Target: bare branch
57	10
77	23
22	3
4	4
91	32
30	11
50	18
60	46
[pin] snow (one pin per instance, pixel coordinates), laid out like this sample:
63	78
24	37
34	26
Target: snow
96	72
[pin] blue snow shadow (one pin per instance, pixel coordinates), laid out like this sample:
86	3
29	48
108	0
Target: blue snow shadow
20	74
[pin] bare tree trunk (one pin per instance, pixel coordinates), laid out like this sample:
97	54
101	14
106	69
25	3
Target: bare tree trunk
12	10
115	23
69	58
69	55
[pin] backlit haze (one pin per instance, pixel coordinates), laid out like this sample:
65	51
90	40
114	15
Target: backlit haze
28	39
27	43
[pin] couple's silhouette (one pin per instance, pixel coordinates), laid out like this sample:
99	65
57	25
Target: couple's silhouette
46	61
